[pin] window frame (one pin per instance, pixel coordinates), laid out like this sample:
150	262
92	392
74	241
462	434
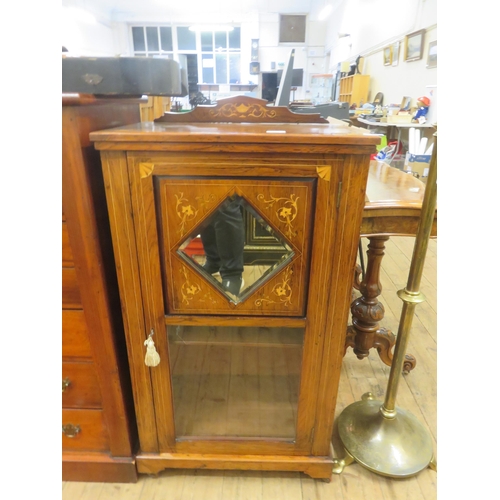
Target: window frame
230	53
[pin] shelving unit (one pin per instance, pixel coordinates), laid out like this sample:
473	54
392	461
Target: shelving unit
354	89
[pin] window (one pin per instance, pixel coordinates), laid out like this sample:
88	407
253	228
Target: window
218	52
186	40
166	38
152	40
221	56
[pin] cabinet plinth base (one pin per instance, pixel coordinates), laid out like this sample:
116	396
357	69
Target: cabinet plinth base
98	467
315	467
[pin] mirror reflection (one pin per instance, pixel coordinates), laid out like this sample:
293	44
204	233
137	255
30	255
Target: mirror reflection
236	249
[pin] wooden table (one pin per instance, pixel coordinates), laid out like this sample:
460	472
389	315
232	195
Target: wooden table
392	208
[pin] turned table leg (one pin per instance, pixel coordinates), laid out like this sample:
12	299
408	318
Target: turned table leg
367	312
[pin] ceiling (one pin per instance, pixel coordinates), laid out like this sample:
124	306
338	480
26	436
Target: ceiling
211	10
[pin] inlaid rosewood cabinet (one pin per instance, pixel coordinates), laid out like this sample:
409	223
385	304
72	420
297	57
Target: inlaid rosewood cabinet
248	373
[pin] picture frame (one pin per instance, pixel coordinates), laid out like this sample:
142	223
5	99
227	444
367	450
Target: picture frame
414	45
395	52
387	52
432	55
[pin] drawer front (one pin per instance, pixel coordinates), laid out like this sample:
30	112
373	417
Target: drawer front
91	434
67	254
70	291
80	386
75	339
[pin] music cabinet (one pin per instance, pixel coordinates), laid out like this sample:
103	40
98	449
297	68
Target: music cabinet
247	377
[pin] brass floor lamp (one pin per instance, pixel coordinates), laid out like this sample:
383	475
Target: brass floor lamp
380	436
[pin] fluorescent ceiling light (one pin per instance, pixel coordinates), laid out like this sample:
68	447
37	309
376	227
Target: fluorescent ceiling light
212	27
325	12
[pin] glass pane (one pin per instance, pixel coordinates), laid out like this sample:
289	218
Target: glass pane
166	38
220	40
138	38
234	38
221	68
226	260
234	68
152	38
206	41
235	381
186	40
207	61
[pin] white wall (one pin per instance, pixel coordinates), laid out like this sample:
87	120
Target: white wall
309	56
83	36
374	24
407	78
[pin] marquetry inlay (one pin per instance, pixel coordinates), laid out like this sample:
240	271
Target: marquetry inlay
282	291
286	211
241	110
188	289
146	169
324	172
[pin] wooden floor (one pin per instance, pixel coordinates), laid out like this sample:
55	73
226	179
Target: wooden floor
417	393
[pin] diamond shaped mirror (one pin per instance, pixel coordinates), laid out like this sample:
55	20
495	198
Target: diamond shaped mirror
235	249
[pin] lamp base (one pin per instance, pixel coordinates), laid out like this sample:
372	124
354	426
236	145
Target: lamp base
399	446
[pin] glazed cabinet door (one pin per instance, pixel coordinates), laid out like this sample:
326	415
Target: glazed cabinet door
238	328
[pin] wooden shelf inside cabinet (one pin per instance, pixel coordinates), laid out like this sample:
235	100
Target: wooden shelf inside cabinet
99	433
247	376
354	89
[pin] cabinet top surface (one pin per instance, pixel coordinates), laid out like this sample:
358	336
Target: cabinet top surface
79	99
278	133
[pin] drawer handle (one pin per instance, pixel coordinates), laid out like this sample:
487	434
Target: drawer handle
66	383
70	430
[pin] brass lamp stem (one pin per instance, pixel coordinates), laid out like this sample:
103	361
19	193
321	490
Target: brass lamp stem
411	295
385	439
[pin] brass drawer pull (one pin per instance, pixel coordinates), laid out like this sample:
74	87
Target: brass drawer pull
70	430
66	383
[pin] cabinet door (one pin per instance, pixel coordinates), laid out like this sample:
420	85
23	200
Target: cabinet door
215	212
238	370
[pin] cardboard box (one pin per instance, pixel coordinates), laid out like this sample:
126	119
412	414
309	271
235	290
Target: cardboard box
418	165
399	118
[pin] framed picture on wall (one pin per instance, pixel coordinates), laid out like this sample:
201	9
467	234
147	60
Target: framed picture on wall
395	53
387	55
432	55
414	46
